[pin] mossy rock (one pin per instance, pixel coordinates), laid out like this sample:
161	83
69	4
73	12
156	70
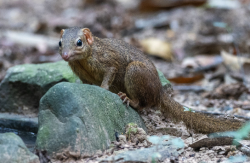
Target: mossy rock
13	150
81	118
24	85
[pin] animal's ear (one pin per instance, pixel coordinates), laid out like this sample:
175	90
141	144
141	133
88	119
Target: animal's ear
61	33
88	36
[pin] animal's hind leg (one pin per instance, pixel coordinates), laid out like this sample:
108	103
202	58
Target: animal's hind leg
142	86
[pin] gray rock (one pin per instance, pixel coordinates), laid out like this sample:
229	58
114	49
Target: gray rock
145	155
19	122
164	147
24	85
81	118
13	150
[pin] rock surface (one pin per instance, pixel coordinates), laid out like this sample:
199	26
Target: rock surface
81	118
13	150
159	152
144	155
19	122
24	85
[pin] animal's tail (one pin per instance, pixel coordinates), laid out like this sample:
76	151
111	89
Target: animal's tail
198	122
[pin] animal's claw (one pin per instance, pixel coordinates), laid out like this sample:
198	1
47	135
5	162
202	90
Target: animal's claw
124	98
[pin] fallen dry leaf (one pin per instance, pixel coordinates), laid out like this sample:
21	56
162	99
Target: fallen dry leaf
187	79
234	62
157	47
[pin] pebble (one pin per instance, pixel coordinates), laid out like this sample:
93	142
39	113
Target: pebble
126	149
210	151
188	140
117	143
99	153
202	149
221	153
145	143
122	138
211	155
192	155
220	156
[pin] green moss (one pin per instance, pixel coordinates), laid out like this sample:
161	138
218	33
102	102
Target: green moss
67	72
42	73
45	133
131	129
13	149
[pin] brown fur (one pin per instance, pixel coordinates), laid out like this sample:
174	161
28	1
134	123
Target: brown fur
120	67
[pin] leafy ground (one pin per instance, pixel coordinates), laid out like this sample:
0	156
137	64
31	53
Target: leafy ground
201	46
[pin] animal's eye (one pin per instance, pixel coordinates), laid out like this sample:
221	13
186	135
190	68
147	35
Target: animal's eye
60	43
79	42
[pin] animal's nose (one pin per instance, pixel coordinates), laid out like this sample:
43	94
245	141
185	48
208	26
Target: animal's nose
65	56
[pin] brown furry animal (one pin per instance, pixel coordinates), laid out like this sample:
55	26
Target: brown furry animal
121	68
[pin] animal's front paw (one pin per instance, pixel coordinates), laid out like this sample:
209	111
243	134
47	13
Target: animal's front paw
105	87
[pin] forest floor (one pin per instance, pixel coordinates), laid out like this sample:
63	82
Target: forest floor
202	47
